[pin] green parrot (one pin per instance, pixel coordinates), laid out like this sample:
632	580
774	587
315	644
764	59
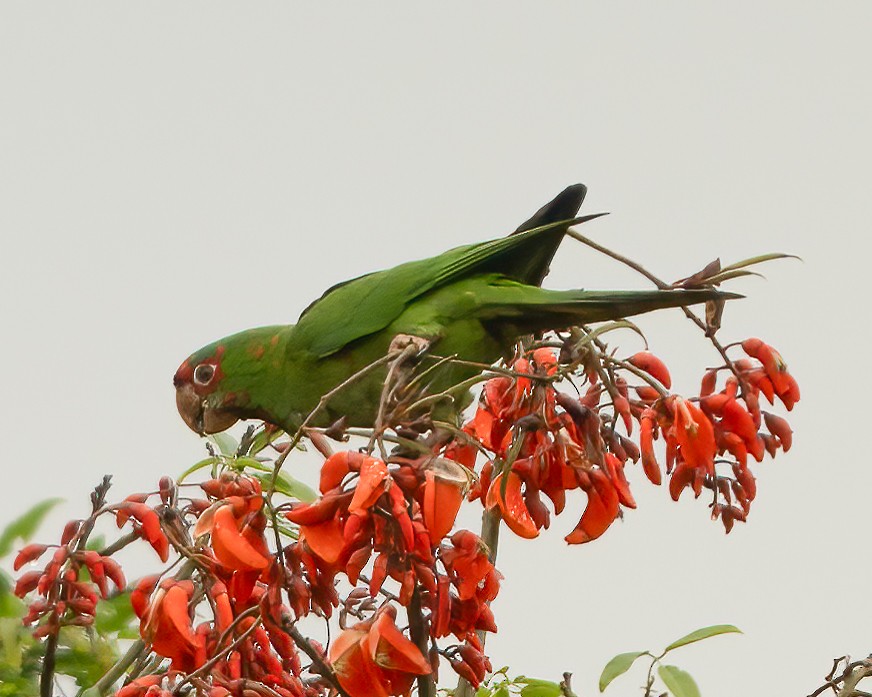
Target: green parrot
473	302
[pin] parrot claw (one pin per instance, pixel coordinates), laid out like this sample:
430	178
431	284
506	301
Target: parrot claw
401	342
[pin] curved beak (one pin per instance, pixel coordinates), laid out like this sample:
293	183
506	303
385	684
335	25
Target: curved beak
196	412
190	406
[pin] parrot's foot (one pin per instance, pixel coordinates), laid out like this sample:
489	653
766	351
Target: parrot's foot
402	342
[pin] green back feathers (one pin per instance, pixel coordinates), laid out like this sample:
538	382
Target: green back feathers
368	304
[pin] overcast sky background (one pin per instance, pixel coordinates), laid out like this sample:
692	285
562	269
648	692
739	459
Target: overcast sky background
174	172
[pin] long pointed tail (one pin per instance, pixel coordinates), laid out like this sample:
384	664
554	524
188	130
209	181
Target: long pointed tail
537	309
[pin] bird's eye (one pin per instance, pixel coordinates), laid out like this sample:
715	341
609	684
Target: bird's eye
204	373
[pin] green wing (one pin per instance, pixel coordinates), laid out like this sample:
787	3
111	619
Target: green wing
368	304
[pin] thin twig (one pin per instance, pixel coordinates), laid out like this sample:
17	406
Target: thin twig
386	593
220	655
119	544
566	686
662	285
324	669
119	668
388	391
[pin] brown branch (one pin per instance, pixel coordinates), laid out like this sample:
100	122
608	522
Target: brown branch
119	544
566	685
323	668
46	678
420	632
391	385
845	684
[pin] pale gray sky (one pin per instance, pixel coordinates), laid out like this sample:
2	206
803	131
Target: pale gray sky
171	173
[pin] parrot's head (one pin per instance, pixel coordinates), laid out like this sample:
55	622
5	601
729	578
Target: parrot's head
223	382
200	396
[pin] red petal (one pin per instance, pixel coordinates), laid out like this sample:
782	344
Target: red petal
324	539
442	499
601	511
336	466
370	486
778	427
647	361
28	553
512	507
321	510
615	469
695	435
390	649
231	548
170	626
646	443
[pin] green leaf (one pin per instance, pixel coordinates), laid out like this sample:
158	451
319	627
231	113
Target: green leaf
701	634
207	462
263	439
96	542
679	683
729	275
759	260
14	638
84	657
293	533
25	525
227	444
10	606
590	336
114	614
253	463
619	665
287	485
502	690
539	688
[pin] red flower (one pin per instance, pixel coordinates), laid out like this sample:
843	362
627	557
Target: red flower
146	524
444	487
237	544
166	624
603	506
512	505
375	659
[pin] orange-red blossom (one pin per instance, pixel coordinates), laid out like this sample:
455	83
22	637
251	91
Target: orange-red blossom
375	659
398	516
558	442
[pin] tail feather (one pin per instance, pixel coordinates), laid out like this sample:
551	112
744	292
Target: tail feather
537	309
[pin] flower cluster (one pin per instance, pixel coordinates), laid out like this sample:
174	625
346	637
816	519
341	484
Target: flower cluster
73	579
66	596
226	620
396	516
239	589
546	442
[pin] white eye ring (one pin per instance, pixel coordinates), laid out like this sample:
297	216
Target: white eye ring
204	373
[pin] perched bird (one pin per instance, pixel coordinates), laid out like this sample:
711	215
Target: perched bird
473	302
